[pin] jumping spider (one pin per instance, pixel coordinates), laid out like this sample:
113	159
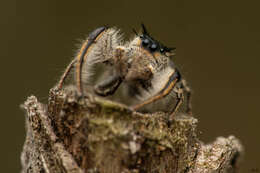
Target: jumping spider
142	67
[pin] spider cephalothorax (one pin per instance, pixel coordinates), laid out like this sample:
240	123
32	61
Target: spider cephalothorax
142	69
151	44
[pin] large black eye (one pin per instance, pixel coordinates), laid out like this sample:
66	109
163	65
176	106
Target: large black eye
153	47
145	42
162	50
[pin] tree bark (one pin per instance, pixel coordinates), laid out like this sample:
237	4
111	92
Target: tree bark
89	134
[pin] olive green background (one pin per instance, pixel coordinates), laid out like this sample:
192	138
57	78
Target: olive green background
217	52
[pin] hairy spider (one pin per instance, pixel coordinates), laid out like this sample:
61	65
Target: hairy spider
142	68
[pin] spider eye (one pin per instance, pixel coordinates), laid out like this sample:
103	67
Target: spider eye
145	42
153	47
162	50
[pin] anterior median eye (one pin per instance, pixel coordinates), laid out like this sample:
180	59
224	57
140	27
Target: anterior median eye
145	42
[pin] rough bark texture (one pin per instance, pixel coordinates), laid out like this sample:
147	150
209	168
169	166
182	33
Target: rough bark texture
76	134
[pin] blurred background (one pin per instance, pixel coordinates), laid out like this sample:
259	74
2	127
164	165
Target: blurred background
217	52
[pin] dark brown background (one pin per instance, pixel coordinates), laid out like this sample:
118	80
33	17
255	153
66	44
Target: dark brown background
217	51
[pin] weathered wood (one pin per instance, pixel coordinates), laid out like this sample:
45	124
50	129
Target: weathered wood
76	134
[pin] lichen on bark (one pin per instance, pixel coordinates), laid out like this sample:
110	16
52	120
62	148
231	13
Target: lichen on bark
90	134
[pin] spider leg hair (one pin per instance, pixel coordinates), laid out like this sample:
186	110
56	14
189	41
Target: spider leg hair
166	90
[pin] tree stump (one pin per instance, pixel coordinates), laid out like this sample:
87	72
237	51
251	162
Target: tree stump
73	134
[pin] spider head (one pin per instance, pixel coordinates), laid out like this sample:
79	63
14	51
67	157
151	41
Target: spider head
152	45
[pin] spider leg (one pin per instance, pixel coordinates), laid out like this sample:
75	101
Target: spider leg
80	59
66	73
180	98
187	92
173	79
82	55
108	86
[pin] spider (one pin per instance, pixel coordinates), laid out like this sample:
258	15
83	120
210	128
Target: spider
142	68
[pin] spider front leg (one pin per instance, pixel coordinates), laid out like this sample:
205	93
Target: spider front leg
168	88
83	54
80	58
108	86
